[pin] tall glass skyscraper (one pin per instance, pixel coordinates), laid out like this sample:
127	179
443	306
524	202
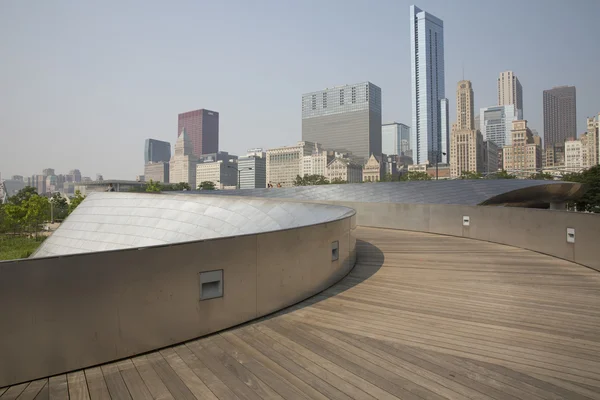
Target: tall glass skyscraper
395	138
496	123
156	151
430	122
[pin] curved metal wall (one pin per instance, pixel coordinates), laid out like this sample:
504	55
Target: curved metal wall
543	231
111	221
70	312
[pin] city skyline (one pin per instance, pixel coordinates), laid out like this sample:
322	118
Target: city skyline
132	96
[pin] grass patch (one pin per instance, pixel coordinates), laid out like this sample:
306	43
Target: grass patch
13	247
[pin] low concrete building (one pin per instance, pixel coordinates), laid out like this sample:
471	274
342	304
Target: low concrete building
157	172
103	186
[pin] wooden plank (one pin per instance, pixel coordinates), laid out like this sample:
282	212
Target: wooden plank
375	380
44	393
331	378
58	389
208	377
135	384
33	389
262	357
14	391
114	382
239	370
96	384
155	385
279	384
77	386
174	384
189	378
239	388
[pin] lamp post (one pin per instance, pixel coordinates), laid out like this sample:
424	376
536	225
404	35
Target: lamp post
437	160
239	171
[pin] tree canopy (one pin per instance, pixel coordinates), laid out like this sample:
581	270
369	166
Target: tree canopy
206	185
591	199
310	180
471	175
153	187
415	176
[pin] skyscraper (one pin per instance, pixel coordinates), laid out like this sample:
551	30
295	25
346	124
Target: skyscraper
156	151
496	123
182	167
510	91
202	127
395	138
523	157
466	142
430	130
344	118
560	118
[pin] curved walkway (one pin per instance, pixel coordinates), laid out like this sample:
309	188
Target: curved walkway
420	317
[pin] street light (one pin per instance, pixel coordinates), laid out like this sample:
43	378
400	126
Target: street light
437	160
239	185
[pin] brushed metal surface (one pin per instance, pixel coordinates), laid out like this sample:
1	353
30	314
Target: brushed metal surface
466	192
70	312
111	221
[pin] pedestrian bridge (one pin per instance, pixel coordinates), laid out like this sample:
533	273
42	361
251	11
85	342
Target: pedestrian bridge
437	306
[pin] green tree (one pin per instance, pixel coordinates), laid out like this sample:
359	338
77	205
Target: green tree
470	175
542	176
14	217
22	195
60	206
36	212
310	180
153	187
75	201
591	199
502	175
415	176
206	185
338	181
390	178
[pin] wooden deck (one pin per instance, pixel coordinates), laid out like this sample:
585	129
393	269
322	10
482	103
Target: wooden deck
421	317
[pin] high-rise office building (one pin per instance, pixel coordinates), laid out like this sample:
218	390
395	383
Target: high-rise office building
466	142
430	130
510	91
202	127
560	115
253	172
395	138
554	156
492	157
156	151
593	141
48	172
496	123
76	174
344	118
182	167
523	157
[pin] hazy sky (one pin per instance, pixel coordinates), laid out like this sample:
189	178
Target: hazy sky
83	83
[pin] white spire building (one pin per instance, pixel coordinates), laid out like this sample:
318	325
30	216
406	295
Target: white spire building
182	167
